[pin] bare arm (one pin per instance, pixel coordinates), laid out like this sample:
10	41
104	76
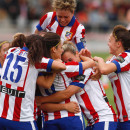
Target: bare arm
36	31
57	66
105	68
46	81
87	62
58	96
51	107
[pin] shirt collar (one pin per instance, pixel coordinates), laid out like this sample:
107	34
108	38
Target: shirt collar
25	48
71	22
127	51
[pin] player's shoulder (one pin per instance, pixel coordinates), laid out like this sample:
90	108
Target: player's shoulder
80	26
51	14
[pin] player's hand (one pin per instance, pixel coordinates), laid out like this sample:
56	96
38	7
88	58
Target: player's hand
85	52
96	75
72	107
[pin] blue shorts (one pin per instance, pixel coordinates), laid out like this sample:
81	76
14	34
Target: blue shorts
106	125
123	125
16	125
67	123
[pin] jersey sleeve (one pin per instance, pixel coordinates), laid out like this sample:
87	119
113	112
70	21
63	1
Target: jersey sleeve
45	65
81	80
44	21
122	62
73	69
80	37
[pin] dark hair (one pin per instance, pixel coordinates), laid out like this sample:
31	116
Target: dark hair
50	40
122	34
19	40
34	43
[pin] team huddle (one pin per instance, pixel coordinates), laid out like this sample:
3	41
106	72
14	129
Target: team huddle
49	80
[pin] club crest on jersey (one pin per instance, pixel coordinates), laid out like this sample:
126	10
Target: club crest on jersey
68	35
120	59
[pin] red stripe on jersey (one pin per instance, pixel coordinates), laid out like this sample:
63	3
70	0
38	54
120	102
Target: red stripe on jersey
114	114
52	21
88	121
67	100
17	106
59	30
101	88
71	74
115	102
74	28
125	68
41	66
89	106
57	115
72	63
45	116
124	54
18	101
6	103
119	91
83	33
35	108
0	82
43	19
14	49
88	77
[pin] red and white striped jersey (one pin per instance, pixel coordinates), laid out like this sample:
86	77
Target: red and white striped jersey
93	100
17	85
61	82
74	32
120	81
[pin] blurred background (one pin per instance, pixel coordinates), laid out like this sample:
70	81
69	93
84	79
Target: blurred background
98	17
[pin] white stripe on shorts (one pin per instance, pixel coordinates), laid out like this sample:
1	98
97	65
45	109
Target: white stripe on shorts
106	125
32	124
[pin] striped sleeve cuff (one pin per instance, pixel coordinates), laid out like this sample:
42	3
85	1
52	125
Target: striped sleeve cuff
39	27
49	65
117	65
81	85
